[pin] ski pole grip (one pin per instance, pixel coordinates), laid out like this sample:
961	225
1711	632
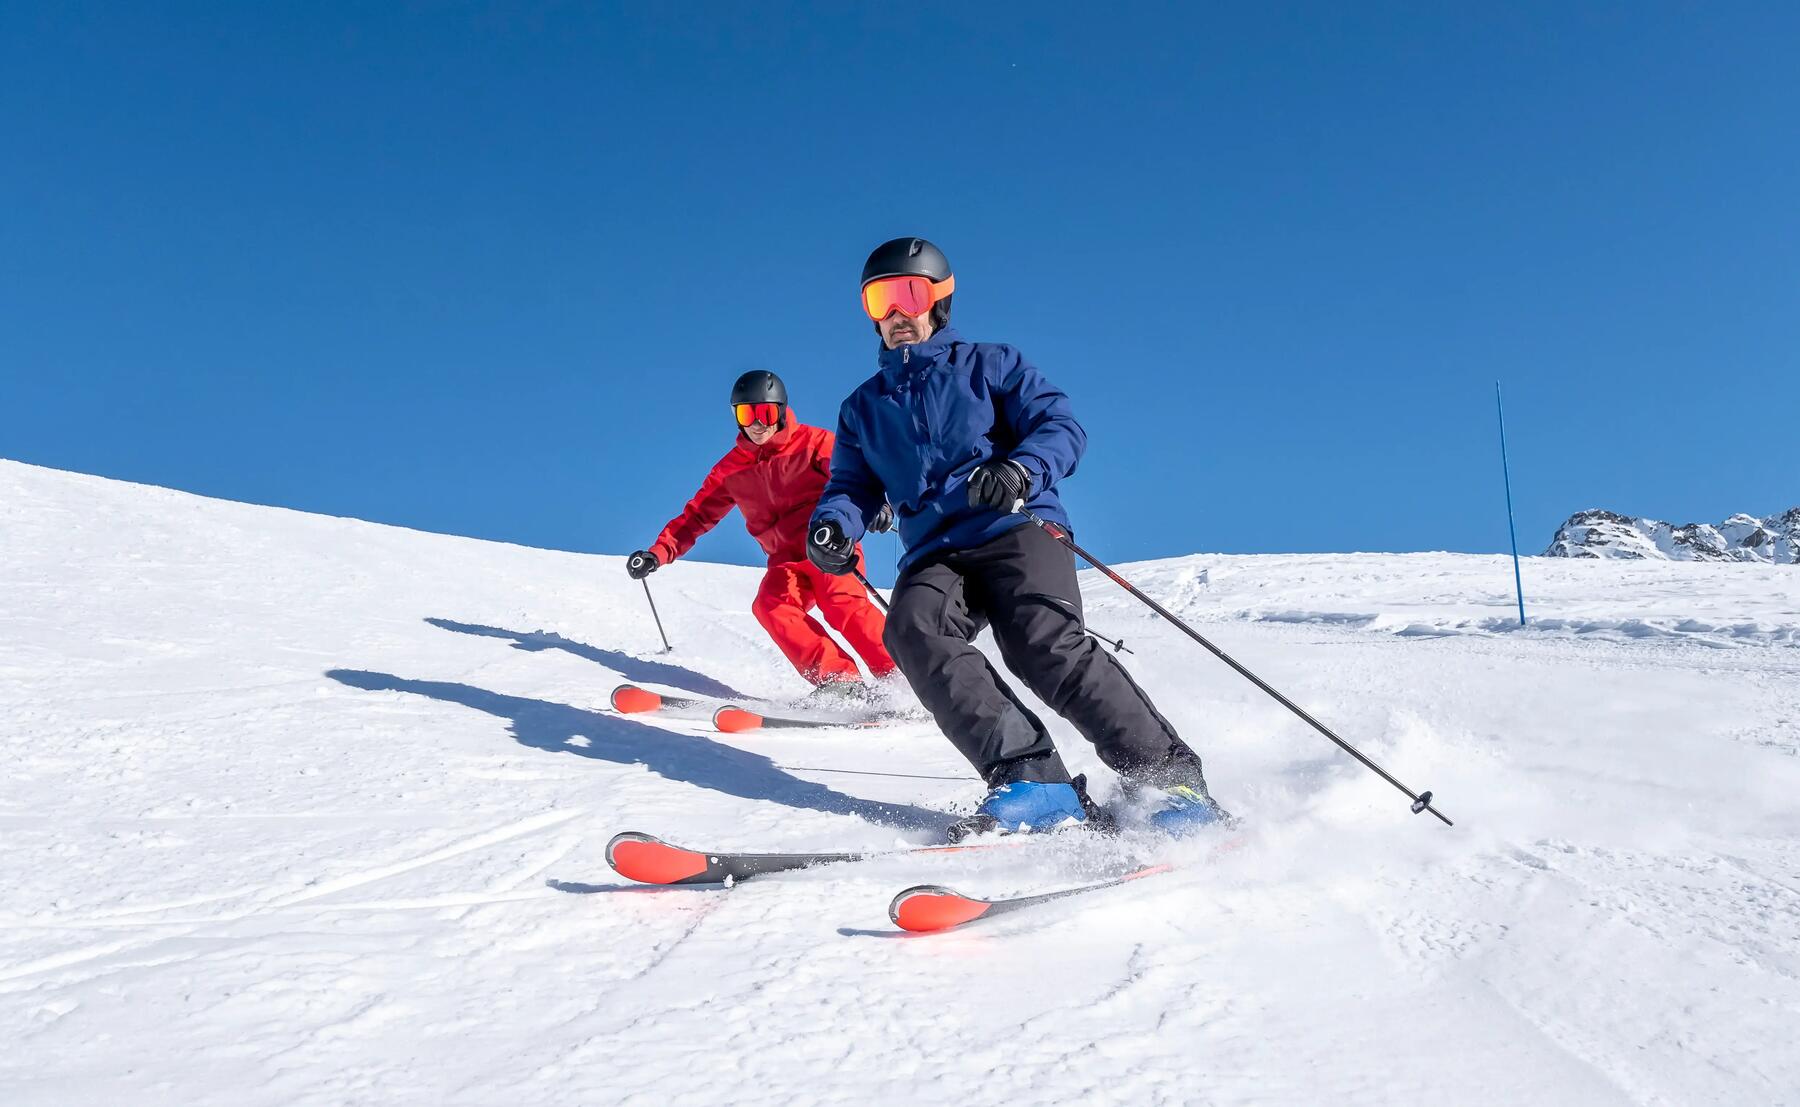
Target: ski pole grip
822	535
1424	801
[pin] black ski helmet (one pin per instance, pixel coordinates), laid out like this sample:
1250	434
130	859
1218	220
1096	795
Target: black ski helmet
759	386
911	257
906	257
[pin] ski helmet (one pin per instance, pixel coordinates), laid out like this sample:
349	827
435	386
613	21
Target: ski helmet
911	257
759	386
906	257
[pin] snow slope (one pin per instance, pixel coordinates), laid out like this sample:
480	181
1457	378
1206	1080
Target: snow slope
303	810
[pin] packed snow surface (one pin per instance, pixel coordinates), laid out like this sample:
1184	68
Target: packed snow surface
302	810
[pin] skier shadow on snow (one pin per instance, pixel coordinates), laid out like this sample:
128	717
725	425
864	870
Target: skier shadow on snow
627	666
545	725
577	888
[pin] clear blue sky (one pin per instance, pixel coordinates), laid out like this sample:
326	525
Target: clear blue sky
453	266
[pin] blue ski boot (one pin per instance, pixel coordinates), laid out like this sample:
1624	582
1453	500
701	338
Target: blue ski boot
1024	807
1189	810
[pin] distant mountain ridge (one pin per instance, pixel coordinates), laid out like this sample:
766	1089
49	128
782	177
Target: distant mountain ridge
1596	533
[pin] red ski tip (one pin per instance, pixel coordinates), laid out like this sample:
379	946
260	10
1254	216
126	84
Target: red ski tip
734	720
631	699
929	908
652	861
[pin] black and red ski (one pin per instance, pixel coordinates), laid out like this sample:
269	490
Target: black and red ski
650	860
927	908
729	718
629	699
733	719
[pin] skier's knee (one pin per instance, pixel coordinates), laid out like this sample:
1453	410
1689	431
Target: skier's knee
1043	650
838	607
898	640
914	611
771	612
908	631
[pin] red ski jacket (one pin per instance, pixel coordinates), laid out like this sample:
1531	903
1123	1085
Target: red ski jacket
776	485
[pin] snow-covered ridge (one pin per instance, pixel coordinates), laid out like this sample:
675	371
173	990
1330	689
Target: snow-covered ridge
1597	533
1437	595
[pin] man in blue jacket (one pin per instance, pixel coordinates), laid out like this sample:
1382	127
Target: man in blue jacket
955	434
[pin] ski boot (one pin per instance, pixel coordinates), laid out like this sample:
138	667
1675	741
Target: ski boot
1189	809
1027	807
840	695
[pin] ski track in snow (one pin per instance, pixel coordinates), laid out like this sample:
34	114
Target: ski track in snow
311	811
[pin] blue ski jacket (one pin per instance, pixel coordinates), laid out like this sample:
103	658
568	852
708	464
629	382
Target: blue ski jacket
915	431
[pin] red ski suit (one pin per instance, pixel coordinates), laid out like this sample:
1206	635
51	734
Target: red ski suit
776	485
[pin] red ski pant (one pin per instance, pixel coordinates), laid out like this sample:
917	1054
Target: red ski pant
789	590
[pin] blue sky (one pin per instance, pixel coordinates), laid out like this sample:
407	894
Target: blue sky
456	267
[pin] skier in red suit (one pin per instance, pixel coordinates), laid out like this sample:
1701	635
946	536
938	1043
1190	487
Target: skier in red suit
774	475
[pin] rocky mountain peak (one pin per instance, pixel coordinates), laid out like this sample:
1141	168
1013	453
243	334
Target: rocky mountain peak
1598	533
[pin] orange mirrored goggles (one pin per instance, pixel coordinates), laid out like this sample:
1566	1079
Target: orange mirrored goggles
769	415
911	295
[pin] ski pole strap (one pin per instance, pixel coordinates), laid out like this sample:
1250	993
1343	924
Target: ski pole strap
1421	802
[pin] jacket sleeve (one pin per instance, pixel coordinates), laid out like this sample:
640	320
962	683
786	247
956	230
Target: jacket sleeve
853	494
1050	441
701	514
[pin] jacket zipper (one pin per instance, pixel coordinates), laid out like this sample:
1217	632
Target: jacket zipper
921	417
915	389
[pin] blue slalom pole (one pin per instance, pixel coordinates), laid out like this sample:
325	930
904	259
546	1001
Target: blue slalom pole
1511	529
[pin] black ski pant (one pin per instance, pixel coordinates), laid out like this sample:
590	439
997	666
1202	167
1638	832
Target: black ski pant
1023	584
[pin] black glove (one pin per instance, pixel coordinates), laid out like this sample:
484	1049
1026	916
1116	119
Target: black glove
999	484
642	564
884	519
827	548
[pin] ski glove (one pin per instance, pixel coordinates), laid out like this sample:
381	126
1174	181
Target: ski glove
641	564
999	485
829	549
884	519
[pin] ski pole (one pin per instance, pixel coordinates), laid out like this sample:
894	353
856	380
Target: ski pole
873	591
659	629
1118	646
1421	800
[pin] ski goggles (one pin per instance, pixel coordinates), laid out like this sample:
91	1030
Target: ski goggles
769	415
911	295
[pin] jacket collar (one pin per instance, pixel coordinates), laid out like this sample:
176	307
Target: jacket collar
917	355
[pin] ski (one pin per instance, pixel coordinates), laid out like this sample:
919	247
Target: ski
629	699
732	719
927	908
650	860
728	718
